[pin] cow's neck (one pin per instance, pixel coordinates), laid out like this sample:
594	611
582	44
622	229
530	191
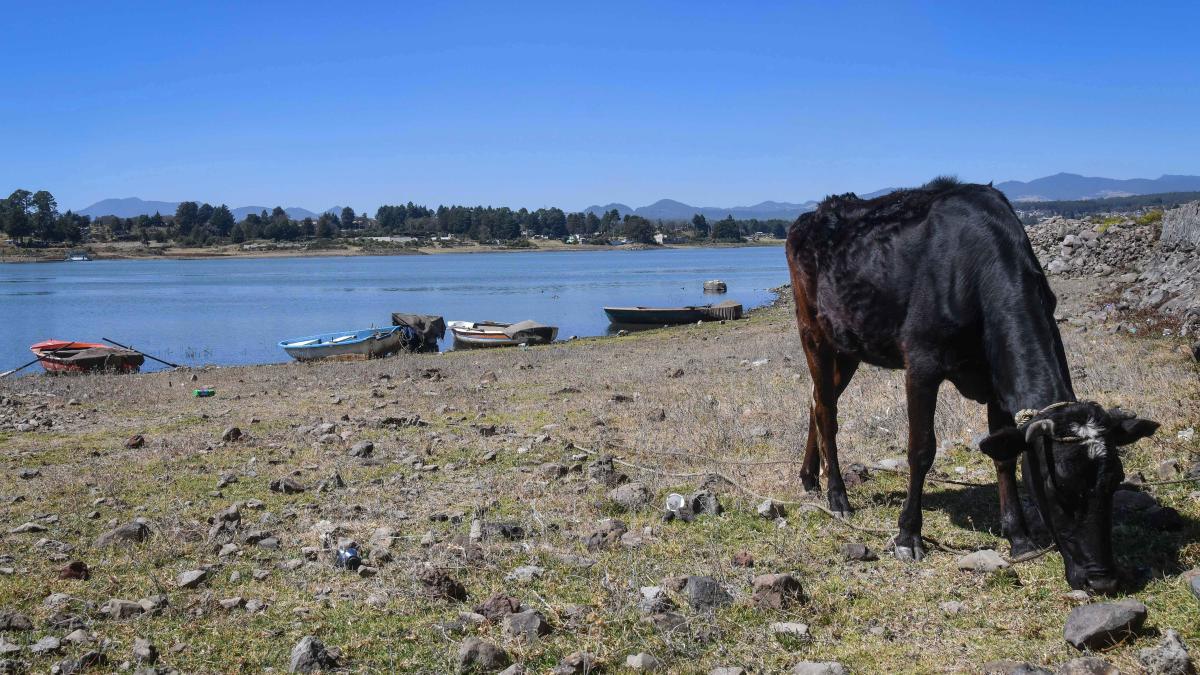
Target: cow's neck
1029	367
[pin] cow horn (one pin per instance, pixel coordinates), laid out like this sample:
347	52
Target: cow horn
1039	428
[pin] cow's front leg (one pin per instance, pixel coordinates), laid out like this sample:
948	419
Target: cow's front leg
921	391
1012	519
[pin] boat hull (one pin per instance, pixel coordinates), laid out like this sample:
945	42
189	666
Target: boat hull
350	345
469	335
65	357
670	316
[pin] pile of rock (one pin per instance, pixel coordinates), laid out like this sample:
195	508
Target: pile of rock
1157	273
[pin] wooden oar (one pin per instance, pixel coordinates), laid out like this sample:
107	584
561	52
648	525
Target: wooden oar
155	358
19	368
49	353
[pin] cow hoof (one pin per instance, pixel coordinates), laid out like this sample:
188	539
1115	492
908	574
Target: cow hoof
842	515
910	553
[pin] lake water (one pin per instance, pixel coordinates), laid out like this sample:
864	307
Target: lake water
236	311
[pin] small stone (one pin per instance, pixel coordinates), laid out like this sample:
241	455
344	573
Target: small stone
577	663
667	622
770	510
704	502
705	592
480	655
231	603
228	550
790	629
819	668
362	449
121	609
743	559
952	607
366	571
310	656
1170	657
526	573
135	441
642	662
856	551
529	624
286	485
46	645
727	670
1085	665
441	585
1103	624
498	606
191	579
129	533
607	533
78	636
654	600
29	474
776	591
153	604
231	434
76	569
630	496
1169	469
28	528
144	651
1077	596
985	560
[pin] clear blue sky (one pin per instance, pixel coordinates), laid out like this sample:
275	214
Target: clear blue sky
558	103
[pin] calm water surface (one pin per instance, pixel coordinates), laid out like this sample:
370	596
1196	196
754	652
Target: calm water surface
236	311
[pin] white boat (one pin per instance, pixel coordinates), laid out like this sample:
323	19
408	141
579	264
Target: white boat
369	343
469	334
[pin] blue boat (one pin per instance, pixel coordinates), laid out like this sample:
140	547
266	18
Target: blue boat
369	343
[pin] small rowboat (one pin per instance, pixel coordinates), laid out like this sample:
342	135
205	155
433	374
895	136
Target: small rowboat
715	286
666	316
65	356
369	343
469	334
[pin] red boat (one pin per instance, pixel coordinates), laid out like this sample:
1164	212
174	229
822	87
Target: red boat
64	356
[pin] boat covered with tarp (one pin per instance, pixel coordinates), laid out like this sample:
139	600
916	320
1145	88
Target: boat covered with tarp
667	316
426	330
67	356
468	334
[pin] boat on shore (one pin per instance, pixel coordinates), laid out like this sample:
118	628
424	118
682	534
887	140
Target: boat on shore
368	343
60	357
78	256
670	316
468	334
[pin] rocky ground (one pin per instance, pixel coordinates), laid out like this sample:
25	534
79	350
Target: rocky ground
509	510
1143	271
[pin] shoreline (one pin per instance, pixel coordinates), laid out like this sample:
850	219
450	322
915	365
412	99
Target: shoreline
227	253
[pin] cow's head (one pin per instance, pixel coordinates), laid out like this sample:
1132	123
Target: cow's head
1072	467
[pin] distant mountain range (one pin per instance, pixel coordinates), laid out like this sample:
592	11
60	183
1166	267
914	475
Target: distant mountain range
132	207
1061	186
1072	186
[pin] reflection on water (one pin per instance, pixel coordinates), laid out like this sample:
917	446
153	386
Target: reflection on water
236	311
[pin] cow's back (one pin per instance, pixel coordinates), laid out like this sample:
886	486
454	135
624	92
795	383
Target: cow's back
872	275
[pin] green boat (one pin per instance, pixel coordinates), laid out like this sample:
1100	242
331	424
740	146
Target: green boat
668	316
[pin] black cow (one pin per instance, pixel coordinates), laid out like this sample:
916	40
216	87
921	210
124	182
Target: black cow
942	282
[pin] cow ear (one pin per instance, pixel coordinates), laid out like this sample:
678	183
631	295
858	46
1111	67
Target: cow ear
1130	430
1004	445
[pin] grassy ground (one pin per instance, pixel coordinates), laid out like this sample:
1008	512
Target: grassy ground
690	400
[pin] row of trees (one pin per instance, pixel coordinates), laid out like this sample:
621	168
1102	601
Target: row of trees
25	215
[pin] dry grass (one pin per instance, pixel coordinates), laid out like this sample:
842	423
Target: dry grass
875	617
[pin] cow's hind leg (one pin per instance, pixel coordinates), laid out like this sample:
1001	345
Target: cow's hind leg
1012	519
831	373
921	389
810	469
